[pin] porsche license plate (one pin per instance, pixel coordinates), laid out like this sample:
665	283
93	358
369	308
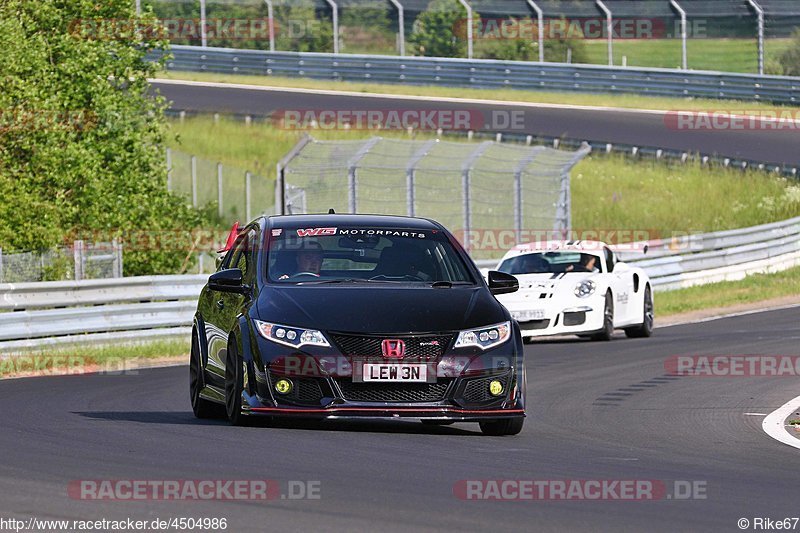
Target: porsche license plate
392	372
528	314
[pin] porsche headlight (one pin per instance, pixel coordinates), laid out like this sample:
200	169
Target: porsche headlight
290	336
585	288
484	338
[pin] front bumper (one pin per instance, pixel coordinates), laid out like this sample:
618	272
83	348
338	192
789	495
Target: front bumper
570	319
443	413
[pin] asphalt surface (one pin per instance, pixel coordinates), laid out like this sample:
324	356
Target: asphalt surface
596	411
776	146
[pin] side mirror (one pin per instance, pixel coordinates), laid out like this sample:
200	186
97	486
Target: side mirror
502	283
229	280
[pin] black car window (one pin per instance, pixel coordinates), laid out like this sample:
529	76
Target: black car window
377	254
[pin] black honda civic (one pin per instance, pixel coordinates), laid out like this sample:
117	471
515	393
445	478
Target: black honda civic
355	316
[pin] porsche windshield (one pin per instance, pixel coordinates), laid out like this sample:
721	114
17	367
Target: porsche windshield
551	263
318	255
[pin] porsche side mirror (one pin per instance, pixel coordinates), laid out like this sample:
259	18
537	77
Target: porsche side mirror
502	283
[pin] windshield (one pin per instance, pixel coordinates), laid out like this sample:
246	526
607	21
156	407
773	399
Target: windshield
363	254
551	263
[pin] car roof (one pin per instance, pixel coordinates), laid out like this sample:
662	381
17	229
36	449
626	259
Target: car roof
592	247
375	221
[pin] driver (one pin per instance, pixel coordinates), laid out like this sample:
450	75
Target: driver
309	260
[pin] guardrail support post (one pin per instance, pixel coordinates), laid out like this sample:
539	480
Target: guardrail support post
271	25
335	11
540	28
401	25
469	27
609	30
760	14
682	13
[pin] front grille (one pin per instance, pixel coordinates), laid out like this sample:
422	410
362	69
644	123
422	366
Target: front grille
575	318
477	390
393	392
305	391
535	324
417	346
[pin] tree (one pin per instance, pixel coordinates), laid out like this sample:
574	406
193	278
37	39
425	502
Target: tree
81	149
436	31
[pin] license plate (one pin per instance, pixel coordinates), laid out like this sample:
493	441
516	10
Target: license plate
395	372
528	314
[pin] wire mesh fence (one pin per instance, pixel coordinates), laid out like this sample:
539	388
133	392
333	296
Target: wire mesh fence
82	260
720	34
236	193
468	187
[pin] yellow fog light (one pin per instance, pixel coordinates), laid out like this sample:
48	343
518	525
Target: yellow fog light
495	388
283	386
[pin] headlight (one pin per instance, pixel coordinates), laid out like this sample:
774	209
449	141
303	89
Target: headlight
585	288
484	338
289	336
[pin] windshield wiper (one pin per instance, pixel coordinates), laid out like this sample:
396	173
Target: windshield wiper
341	280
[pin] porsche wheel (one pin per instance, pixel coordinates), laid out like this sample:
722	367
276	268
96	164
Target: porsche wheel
608	321
645	329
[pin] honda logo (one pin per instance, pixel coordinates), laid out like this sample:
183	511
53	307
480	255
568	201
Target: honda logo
393	348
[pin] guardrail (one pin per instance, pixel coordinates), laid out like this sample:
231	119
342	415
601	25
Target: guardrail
488	74
144	308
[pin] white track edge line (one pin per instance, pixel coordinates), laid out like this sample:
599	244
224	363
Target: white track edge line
774	427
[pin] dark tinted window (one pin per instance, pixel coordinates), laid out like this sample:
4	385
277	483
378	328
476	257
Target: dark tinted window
361	253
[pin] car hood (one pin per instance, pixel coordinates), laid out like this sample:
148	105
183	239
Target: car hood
379	308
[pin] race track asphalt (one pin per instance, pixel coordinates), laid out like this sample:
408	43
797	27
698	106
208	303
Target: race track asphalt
596	411
774	146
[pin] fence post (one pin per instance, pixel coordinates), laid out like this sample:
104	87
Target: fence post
203	32
609	30
219	189
401	26
469	27
760	15
194	180
116	262
466	169
77	256
247	195
169	169
1	265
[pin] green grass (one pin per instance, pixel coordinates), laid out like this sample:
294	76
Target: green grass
629	101
608	191
110	358
728	55
753	288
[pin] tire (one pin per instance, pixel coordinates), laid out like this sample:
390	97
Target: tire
498	428
201	407
645	329
608	321
234	385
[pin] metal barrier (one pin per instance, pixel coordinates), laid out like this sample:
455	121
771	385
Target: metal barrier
488	74
145	308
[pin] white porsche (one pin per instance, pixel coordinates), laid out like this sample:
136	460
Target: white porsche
576	288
